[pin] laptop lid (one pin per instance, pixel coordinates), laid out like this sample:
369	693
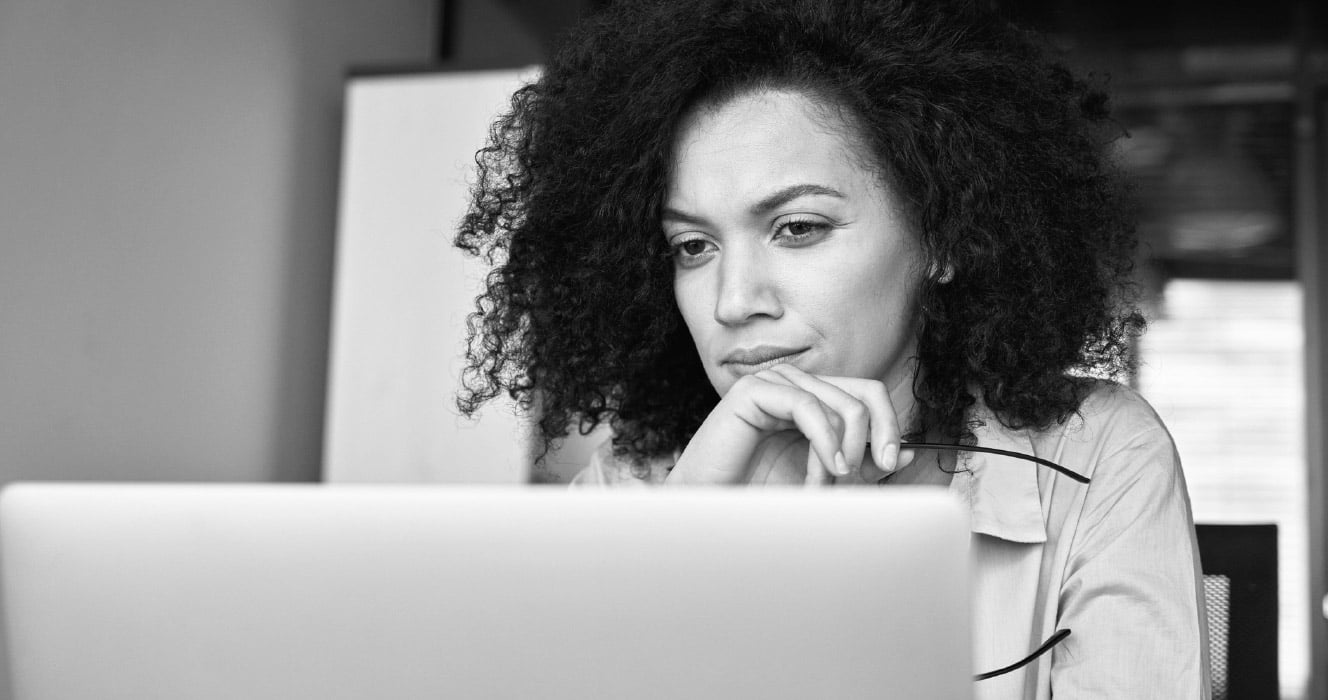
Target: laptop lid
327	592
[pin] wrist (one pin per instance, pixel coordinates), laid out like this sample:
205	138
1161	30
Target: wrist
678	476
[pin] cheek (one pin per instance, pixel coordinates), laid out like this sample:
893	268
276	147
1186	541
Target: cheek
688	294
853	287
866	311
696	307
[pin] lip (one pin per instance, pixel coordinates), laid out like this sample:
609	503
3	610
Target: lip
752	360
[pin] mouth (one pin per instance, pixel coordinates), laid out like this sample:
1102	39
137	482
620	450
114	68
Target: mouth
753	360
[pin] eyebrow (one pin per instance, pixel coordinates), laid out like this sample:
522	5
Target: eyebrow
772	201
790	193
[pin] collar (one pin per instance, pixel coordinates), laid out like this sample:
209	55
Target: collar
1001	492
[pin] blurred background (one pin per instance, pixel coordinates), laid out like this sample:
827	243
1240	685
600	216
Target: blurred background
174	177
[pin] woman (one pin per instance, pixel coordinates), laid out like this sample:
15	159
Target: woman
780	242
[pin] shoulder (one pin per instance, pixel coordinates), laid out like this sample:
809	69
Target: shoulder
608	469
1119	407
1118	440
1112	416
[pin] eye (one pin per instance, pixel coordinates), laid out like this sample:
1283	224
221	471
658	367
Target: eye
801	231
692	251
695	246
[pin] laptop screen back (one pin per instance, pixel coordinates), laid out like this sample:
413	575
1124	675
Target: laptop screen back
327	592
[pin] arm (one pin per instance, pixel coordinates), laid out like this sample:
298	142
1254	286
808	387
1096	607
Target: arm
1133	590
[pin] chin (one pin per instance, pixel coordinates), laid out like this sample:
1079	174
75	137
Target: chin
721	380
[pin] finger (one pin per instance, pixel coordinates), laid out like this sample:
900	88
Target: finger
882	419
780	458
776	406
885	434
837	422
814	420
853	414
817	474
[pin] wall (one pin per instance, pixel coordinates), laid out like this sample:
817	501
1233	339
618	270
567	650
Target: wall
403	291
168	182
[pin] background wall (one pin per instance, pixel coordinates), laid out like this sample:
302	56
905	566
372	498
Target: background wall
168	183
403	292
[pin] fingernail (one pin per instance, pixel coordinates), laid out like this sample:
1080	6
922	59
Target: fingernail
889	457
841	464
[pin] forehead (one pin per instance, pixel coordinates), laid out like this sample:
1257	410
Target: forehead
756	141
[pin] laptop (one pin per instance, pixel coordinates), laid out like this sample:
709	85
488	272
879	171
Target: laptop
323	592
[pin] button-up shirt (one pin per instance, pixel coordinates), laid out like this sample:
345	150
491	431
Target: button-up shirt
1115	560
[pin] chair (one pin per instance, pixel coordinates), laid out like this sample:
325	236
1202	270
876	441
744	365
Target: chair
1240	589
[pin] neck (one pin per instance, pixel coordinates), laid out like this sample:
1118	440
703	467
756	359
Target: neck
932	467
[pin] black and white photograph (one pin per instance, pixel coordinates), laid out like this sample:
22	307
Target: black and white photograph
663	349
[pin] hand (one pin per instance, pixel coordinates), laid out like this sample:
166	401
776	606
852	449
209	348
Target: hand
836	415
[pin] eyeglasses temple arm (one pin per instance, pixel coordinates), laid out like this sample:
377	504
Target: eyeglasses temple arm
1055	638
974	448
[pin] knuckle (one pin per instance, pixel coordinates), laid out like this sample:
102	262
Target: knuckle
744	383
856	412
806	403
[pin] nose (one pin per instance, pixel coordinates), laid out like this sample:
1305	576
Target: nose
747	290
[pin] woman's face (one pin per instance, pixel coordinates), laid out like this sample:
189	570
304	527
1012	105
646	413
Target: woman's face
788	249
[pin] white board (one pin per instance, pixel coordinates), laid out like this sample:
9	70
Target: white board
402	291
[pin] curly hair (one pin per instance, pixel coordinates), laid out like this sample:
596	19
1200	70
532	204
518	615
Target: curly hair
999	153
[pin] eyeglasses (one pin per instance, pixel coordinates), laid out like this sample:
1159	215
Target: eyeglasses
1052	641
992	450
1061	633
